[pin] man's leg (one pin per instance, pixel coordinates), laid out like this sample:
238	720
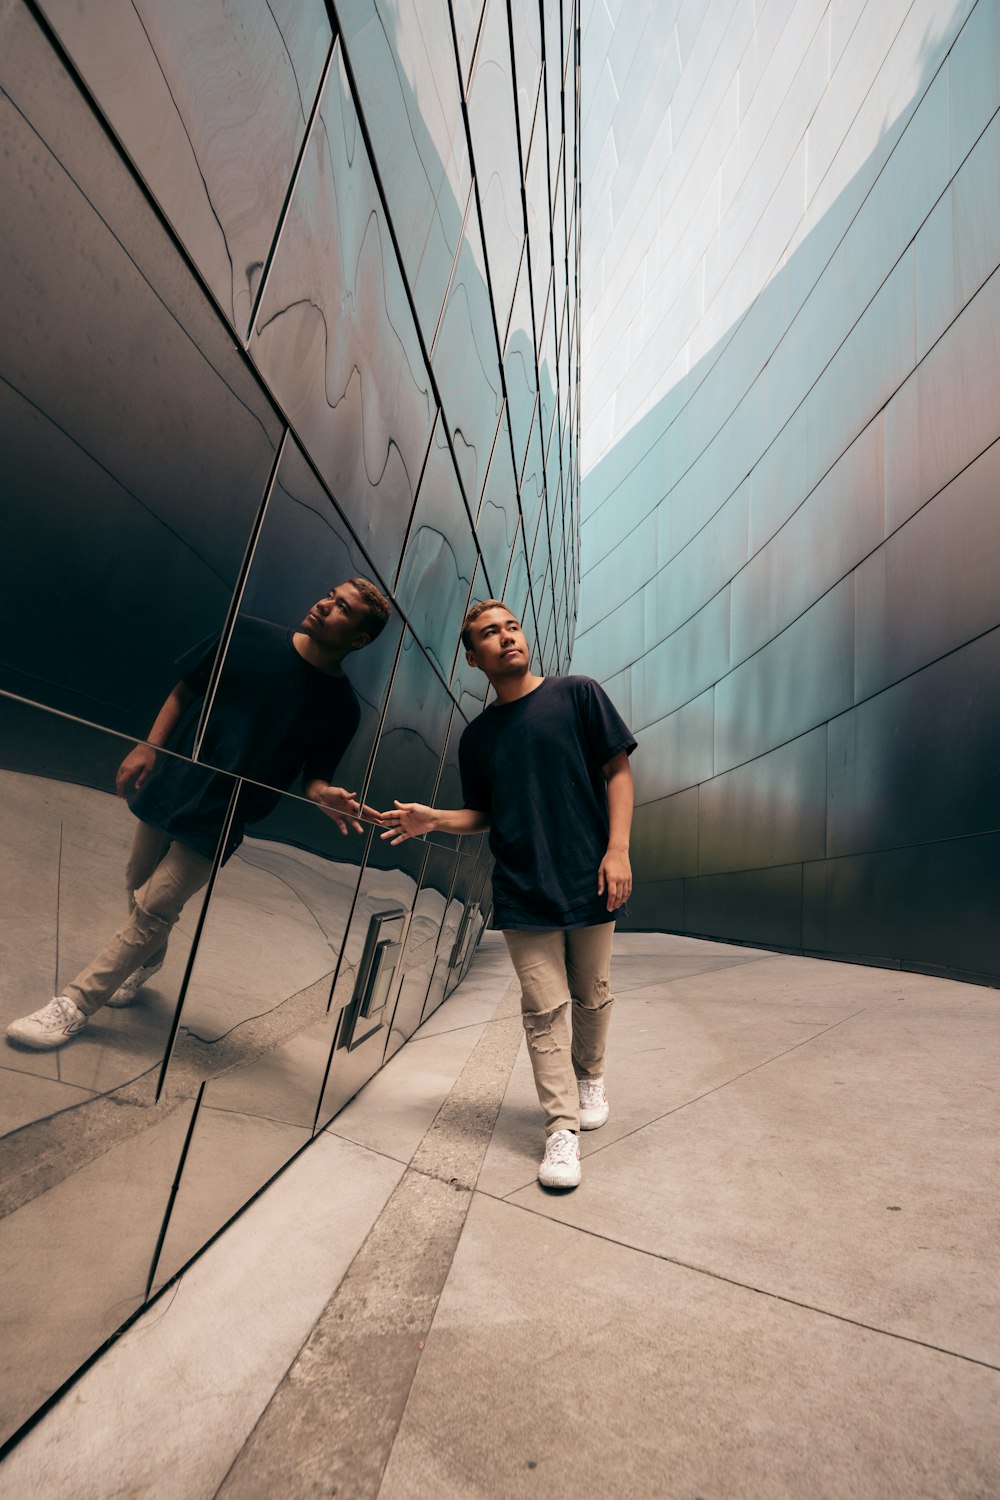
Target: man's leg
149	845
588	969
157	905
539	958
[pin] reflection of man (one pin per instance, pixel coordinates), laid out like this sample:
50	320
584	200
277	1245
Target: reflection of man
545	768
282	705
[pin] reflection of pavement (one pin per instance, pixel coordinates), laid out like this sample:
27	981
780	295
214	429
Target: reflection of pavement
273	931
64	850
91	1156
775	1281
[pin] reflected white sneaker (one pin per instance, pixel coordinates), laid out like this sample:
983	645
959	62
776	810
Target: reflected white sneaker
560	1166
594	1107
53	1026
126	993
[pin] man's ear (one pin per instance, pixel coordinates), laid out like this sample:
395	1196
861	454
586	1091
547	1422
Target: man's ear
361	639
470	657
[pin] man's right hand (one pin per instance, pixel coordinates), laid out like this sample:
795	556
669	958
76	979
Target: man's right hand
135	770
408	821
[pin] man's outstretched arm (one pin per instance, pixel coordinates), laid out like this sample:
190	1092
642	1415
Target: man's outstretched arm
136	769
615	873
409	820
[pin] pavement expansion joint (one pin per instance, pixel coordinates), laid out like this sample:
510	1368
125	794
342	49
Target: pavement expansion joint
332	1421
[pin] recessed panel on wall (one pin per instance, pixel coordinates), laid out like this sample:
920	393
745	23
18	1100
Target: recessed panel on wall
375	953
137	446
335	339
217	159
422	955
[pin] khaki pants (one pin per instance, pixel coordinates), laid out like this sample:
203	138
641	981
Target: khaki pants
161	877
560	970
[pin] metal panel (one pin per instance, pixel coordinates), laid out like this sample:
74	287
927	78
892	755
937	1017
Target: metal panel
919	761
466	364
665	837
752	906
403	59
435	576
494	144
217	159
335	339
675	752
768	812
123	405
934	585
800	679
928	906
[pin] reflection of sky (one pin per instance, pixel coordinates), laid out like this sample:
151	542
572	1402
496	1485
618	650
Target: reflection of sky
675	152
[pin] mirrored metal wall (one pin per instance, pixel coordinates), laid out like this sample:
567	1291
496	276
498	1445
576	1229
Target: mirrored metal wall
290	297
791	465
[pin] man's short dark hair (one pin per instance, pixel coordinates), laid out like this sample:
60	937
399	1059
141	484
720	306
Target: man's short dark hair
377	607
478	609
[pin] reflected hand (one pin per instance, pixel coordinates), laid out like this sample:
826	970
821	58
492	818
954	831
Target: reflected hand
615	877
342	806
408	820
135	770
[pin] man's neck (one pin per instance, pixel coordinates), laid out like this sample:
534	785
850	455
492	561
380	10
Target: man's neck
324	659
509	689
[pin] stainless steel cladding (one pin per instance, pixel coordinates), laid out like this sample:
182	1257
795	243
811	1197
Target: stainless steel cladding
790	532
290	299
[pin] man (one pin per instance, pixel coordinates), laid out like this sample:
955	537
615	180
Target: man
546	769
283	705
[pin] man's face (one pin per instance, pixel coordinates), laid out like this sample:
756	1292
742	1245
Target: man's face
339	619
498	644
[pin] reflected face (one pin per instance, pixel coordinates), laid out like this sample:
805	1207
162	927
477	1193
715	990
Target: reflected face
498	645
339	619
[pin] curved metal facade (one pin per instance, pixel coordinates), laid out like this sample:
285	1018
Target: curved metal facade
790	495
290	295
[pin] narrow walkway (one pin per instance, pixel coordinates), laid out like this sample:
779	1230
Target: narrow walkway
777	1280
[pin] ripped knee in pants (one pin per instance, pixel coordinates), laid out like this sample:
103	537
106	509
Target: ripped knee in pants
144	926
598	998
538	1026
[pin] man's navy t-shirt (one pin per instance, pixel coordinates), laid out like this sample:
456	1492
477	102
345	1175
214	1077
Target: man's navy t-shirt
274	715
533	766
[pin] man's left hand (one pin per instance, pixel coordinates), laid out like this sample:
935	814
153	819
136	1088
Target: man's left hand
615	877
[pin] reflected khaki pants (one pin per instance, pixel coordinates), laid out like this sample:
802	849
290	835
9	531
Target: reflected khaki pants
161	877
562	971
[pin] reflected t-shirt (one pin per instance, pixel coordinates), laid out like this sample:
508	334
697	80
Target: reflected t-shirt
274	715
533	767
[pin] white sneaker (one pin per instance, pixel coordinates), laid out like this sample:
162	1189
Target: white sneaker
594	1107
560	1166
126	993
53	1026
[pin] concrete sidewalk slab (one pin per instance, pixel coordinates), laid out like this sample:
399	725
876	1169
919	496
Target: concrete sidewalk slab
561	1365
